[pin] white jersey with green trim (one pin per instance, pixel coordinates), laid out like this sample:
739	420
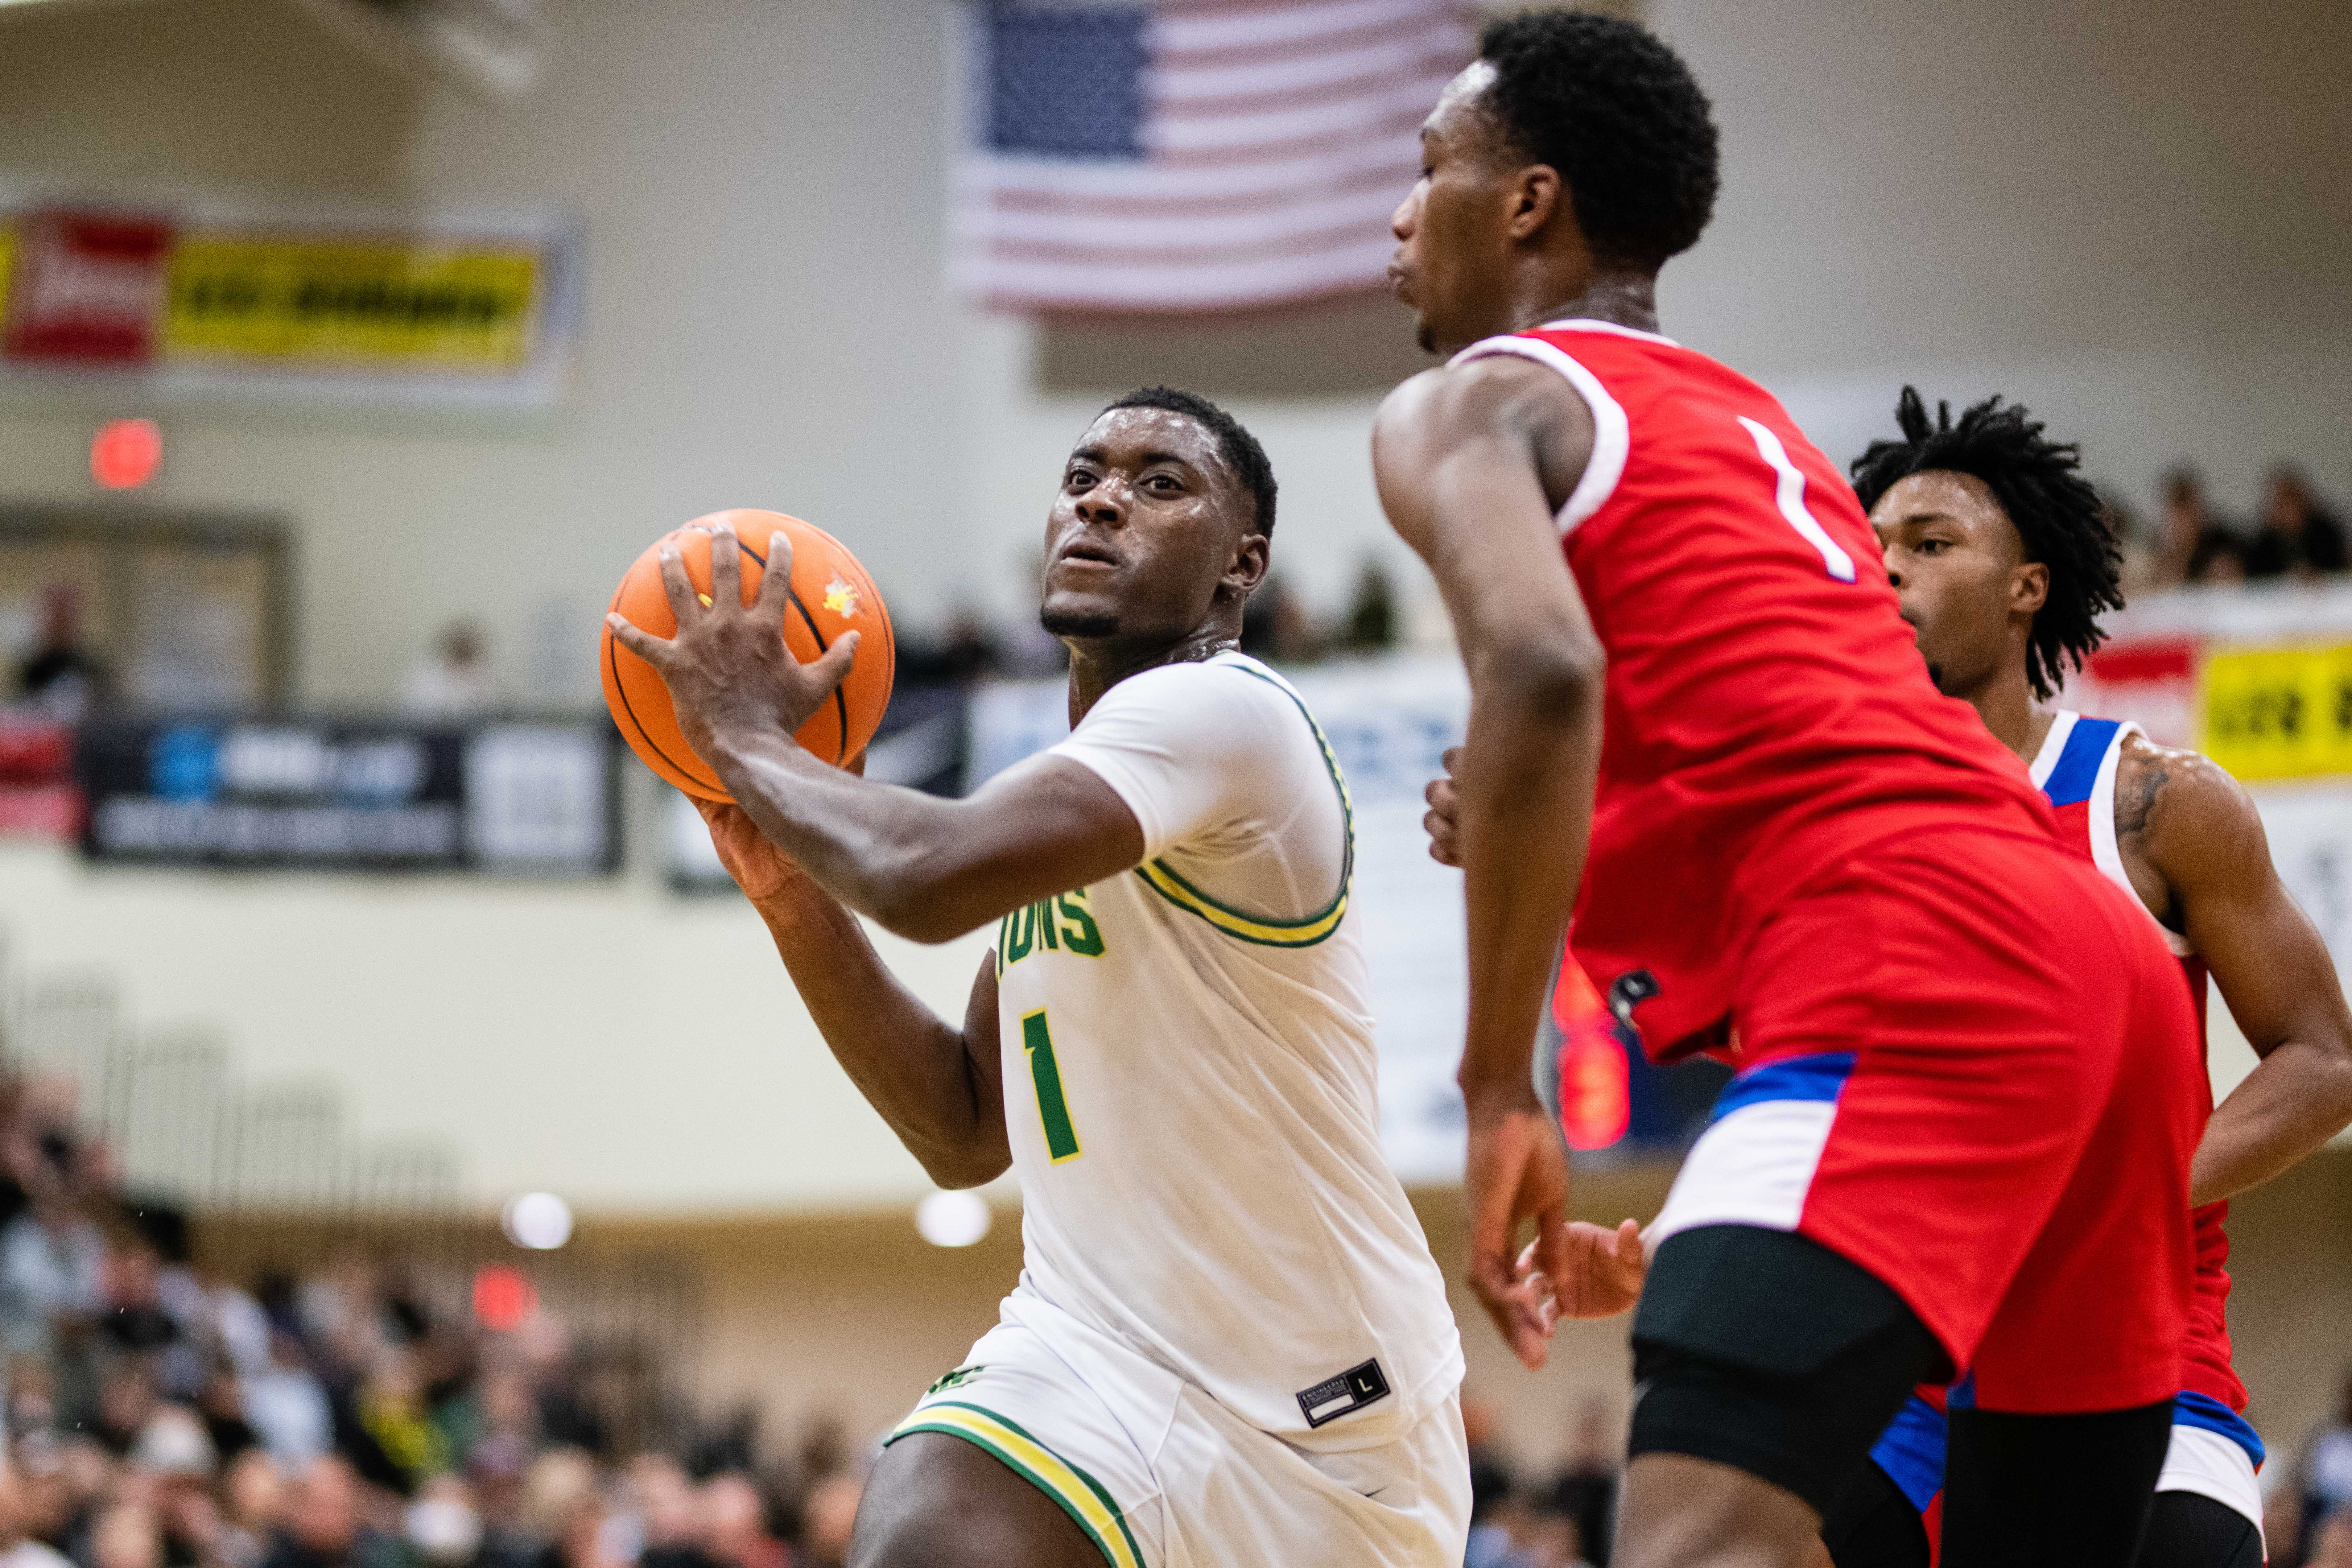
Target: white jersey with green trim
1191	1085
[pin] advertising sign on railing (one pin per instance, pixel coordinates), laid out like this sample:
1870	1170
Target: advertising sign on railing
522	797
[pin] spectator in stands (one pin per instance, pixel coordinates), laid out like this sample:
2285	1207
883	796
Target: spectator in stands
2194	545
1371	623
442	1526
85	1472
453	681
286	1405
52	1268
19	1516
1490	1488
125	1535
61	678
670	1513
125	1402
324	1527
564	1508
2323	1472
255	1511
176	1457
963	653
391	1438
2331	1546
1277	626
221	1405
2299	537
1586	1487
1548	1538
736	1518
831	1510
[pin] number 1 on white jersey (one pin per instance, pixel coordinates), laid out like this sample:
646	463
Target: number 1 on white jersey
1789	492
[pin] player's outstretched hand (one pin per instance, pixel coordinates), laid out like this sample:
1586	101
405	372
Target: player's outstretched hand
1445	846
1604	1271
727	670
1517	1170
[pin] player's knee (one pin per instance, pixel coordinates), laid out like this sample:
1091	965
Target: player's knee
1793	1396
1681	1512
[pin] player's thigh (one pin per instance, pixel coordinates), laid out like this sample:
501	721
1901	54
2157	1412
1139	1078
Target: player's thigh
1028	1442
1768	1365
2094	1317
2050	1491
1965	1007
2190	1530
938	1501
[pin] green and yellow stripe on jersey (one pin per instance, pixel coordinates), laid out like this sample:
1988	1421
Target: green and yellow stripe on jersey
1081	1496
1162	879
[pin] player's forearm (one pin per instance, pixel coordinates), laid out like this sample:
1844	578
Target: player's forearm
2296	1100
884	851
1526	810
923	1075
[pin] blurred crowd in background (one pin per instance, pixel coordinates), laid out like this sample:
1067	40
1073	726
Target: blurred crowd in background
159	1415
2294	534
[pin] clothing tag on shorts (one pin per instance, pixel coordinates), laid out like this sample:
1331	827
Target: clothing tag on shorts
1337	1396
1629	990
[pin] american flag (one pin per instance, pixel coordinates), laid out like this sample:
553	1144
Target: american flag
1191	156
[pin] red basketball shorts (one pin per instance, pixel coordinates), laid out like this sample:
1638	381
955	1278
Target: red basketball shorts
1967	1064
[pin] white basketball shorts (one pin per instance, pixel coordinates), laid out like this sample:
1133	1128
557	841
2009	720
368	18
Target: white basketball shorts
1158	1474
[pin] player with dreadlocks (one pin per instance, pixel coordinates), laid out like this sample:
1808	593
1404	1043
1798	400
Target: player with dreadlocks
2005	559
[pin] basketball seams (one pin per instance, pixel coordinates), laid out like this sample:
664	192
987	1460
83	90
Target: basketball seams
840	703
621	690
689	774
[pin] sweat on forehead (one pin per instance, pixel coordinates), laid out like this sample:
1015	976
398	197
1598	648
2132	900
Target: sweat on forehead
1235	451
1156	431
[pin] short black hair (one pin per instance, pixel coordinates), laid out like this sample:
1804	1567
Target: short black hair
2061	521
1619	116
1235	445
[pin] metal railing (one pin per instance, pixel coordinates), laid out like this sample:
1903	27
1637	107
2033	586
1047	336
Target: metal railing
275	1180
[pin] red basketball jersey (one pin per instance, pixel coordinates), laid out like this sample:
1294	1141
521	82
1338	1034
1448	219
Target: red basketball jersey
1766	711
2075	769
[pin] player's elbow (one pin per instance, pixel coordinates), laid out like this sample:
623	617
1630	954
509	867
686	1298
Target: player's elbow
958	1170
1553	680
918	908
2339	1084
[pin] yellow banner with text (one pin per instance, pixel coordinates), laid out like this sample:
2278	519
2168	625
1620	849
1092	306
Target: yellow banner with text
312	299
2279	712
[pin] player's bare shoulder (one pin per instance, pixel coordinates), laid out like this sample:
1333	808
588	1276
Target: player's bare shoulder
1465	409
2182	822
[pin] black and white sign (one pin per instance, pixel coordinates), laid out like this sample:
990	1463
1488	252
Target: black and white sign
514	797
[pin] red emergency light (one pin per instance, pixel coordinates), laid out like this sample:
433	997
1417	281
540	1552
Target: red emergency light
125	453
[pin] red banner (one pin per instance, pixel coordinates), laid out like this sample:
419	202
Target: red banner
87	289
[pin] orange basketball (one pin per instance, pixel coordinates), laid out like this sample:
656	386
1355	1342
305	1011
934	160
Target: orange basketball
831	594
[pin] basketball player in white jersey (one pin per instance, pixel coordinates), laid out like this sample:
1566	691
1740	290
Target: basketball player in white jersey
1230	1344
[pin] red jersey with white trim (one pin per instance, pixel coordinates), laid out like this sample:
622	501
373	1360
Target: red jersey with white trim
1766	712
2075	770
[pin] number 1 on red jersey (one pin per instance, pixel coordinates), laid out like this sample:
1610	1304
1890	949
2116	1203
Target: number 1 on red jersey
1790	493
